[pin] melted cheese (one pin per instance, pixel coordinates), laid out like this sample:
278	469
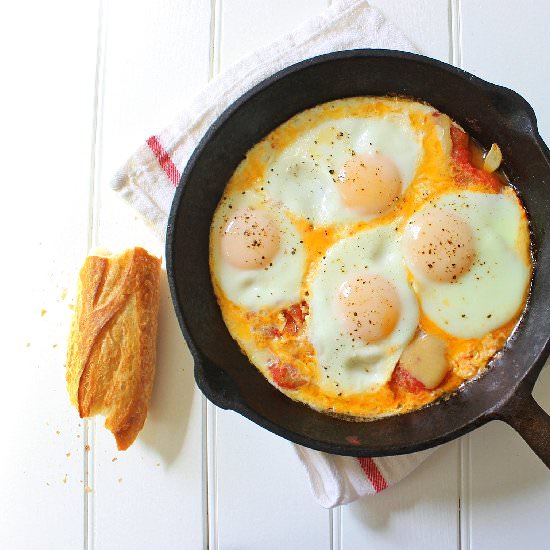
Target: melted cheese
435	175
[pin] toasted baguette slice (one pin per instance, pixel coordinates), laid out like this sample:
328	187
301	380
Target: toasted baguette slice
112	343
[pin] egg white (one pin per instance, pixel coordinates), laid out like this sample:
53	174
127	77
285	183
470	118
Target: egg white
303	176
346	364
275	285
493	290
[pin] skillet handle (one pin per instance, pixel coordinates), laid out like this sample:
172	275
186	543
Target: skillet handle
528	418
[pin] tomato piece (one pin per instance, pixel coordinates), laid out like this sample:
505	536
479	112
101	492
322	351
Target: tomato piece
294	318
402	379
271	332
285	375
460	153
292	324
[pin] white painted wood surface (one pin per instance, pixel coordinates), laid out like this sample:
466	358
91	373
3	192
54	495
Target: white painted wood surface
86	83
47	119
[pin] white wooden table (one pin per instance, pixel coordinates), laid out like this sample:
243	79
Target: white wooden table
84	83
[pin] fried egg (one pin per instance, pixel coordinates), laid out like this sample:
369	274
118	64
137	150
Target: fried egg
257	256
362	311
347	169
365	261
468	256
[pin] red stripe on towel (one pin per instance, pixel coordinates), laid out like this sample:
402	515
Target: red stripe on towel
373	474
164	160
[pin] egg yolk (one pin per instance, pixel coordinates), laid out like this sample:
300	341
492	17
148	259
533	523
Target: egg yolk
369	182
250	240
440	245
369	307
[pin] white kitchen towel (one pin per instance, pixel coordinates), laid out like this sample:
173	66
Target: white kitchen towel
149	178
337	480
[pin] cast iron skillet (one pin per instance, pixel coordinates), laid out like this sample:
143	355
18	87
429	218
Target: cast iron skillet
490	114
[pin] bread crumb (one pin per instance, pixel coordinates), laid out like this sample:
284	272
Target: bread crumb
71	307
28	345
65	478
86	447
43	312
114	459
63	294
88	489
67	455
54	346
57	432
